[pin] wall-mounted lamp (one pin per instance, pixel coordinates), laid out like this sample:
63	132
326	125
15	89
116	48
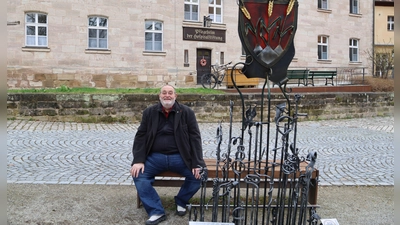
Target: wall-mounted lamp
207	21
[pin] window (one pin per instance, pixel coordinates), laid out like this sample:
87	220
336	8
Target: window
222	57
353	50
215	10
390	23
98	35
322	4
153	35
192	10
354	6
322	47
36	29
186	58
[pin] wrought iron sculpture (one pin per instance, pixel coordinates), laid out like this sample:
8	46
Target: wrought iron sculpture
251	196
260	181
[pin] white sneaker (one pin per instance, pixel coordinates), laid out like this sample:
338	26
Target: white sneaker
155	219
180	211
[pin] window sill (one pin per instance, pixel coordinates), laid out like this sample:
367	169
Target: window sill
324	10
355	15
355	63
221	26
35	49
188	23
324	61
146	53
191	23
97	51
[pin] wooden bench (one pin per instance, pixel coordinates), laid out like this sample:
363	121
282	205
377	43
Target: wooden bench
327	75
170	179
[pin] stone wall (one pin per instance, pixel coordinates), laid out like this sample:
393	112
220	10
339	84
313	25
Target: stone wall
208	108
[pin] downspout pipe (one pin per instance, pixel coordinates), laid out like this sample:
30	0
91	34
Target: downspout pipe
373	38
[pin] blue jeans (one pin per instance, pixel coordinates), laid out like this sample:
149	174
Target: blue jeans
154	165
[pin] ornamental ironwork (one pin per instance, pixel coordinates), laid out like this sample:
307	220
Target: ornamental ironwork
261	176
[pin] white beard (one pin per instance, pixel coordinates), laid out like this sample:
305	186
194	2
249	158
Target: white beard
167	103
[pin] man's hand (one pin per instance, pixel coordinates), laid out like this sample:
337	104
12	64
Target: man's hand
136	169
196	173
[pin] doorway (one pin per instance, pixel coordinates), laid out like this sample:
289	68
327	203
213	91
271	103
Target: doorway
203	63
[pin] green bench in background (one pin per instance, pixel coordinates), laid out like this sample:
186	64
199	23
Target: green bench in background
327	75
300	75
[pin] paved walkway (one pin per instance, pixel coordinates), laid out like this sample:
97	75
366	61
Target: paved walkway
350	152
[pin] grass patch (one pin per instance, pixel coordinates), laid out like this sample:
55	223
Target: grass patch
88	90
104	119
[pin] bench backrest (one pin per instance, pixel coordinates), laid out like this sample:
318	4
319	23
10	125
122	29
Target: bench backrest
293	74
323	73
212	170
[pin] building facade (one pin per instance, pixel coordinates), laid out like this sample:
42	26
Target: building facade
147	43
384	38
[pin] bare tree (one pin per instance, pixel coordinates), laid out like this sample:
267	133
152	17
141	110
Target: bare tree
383	62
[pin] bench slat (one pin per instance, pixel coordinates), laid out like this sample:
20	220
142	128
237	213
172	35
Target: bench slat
171	179
211	167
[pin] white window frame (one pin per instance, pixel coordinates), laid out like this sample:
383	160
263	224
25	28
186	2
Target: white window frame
354	7
191	15
390	23
37	39
99	28
354	50
213	7
322	4
153	33
323	47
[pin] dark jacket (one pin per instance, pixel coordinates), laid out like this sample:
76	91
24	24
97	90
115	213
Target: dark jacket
187	135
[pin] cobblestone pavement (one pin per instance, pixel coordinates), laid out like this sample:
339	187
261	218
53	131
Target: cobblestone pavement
350	152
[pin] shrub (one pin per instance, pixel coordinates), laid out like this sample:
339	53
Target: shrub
380	84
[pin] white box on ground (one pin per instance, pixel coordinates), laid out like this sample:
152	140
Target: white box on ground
209	223
329	222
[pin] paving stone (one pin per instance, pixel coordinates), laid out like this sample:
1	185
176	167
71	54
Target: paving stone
349	152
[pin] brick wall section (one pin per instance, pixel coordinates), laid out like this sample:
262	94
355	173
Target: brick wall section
208	108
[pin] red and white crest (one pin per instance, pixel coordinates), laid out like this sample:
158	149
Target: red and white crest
267	29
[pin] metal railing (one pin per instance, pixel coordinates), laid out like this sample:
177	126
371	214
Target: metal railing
344	75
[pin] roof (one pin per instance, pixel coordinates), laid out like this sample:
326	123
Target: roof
384	3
